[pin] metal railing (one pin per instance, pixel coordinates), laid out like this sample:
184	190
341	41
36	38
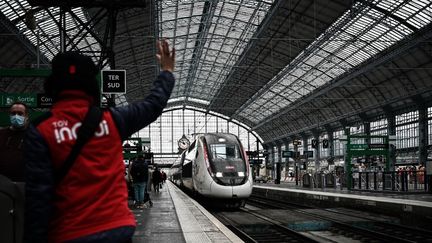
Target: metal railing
398	181
395	181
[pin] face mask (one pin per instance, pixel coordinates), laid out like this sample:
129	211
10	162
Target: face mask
17	121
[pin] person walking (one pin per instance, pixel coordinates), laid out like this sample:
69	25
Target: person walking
139	174
85	201
164	177
156	177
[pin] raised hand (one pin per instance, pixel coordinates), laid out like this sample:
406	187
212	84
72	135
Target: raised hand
164	56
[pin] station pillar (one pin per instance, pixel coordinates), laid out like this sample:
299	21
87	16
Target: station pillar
391	131
278	163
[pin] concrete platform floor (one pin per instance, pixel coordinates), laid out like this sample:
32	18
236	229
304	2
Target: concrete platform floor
158	223
176	218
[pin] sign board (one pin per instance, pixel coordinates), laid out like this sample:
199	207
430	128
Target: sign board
44	101
287	154
113	81
29	99
131	148
368	146
325	143
255	161
308	154
314	143
375	145
358	146
296	142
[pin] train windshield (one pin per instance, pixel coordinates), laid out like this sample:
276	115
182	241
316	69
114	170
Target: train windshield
225	151
226	158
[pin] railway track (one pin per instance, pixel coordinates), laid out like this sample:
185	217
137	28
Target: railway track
375	231
271	232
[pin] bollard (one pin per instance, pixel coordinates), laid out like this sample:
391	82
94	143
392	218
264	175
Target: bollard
323	183
375	181
367	180
359	183
334	181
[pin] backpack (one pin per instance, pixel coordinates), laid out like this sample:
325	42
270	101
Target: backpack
139	171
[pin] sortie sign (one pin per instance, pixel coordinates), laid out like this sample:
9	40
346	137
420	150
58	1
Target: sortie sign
113	81
7	99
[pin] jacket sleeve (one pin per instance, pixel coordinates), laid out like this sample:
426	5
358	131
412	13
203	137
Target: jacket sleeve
39	187
135	116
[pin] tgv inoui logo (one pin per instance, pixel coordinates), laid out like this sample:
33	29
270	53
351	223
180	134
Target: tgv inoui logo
62	132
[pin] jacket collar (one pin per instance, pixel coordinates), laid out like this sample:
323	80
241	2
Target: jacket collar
70	98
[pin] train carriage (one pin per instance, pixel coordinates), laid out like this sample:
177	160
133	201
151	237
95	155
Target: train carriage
215	166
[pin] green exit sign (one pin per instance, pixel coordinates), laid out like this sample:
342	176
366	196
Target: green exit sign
358	146
29	99
287	154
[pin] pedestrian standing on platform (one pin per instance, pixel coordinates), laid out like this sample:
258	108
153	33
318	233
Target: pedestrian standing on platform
421	174
164	176
129	183
150	181
87	201
139	174
12	165
156	177
11	143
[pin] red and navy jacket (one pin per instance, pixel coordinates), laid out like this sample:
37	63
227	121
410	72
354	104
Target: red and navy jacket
92	197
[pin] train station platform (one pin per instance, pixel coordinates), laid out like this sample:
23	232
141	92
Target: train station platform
416	206
175	217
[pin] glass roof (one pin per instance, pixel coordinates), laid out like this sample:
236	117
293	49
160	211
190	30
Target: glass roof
46	27
209	37
352	39
46	34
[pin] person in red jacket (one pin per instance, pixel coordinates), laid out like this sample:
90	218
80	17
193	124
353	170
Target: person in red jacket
89	204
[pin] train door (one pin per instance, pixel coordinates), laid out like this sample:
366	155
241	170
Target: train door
188	167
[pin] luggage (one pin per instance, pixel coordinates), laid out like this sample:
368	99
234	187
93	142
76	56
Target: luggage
11	210
147	198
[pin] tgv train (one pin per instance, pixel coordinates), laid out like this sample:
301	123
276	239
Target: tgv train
215	166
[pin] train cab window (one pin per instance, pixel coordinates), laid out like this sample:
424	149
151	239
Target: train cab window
224	151
227	163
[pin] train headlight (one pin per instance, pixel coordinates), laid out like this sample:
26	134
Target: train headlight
241	174
218	174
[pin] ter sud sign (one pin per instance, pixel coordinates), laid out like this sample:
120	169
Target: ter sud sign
113	81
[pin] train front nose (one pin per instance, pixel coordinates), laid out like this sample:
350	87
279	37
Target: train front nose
232	189
230	178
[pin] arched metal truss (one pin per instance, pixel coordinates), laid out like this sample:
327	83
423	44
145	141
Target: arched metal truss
281	67
257	137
